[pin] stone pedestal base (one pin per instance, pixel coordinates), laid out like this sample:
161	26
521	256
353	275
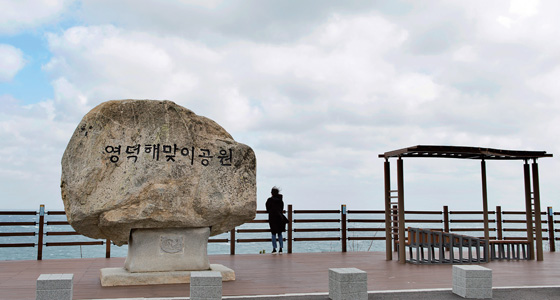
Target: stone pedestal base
167	249
121	277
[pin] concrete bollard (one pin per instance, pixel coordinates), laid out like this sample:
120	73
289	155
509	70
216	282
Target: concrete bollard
473	282
55	287
206	285
347	284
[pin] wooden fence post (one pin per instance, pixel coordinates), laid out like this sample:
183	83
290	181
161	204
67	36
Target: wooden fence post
446	221
232	242
40	239
551	239
445	218
343	226
499	234
290	229
108	248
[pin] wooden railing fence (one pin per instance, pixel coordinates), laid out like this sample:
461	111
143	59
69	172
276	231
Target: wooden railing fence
340	225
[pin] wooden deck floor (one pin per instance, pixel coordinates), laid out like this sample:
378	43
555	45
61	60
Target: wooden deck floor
273	274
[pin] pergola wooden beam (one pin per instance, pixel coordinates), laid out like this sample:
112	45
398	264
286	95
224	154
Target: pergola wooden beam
532	198
462	152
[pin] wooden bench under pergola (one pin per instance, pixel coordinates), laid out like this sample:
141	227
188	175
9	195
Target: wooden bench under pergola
532	196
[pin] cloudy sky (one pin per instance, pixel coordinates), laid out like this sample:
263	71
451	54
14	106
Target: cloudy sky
317	88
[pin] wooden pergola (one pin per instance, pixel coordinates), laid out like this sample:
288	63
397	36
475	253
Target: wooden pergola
532	196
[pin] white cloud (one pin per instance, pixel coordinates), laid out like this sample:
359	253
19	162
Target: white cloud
315	107
202	3
278	95
465	54
519	10
547	84
524	22
105	62
505	21
218	22
11	62
22	14
524	8
95	64
71	103
416	88
319	93
32	147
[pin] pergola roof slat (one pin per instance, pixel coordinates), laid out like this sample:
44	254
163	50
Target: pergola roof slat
463	152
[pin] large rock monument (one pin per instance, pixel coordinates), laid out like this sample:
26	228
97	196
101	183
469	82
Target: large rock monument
159	177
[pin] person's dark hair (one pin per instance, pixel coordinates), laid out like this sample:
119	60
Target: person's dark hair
275	191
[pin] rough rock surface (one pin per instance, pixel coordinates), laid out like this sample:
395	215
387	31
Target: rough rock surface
154	164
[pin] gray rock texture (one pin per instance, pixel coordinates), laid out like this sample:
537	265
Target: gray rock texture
154	164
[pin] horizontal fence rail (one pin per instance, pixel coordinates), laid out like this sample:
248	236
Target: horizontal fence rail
347	227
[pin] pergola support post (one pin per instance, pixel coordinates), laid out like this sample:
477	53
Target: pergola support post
485	207
537	209
528	209
400	184
388	234
485	200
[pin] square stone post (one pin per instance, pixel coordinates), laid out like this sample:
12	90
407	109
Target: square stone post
347	283
473	282
206	285
55	286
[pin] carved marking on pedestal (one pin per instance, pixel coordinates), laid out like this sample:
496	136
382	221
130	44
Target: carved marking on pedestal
172	244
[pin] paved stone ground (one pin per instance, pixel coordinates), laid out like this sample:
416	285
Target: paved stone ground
298	273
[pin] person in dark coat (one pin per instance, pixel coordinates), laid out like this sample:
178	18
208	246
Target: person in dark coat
276	219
